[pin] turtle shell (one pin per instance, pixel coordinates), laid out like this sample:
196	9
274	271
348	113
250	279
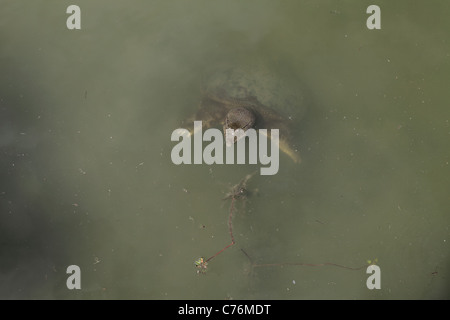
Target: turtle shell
277	89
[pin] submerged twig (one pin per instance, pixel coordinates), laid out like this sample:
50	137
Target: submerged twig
238	191
299	264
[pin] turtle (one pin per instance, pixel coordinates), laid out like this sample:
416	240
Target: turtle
253	96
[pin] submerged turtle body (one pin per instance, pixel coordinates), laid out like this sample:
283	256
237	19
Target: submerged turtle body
253	97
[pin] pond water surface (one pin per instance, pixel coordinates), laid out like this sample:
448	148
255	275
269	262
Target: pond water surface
86	176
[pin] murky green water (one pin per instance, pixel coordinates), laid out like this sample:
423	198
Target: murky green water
86	176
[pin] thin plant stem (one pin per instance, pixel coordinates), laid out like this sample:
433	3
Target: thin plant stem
283	264
230	229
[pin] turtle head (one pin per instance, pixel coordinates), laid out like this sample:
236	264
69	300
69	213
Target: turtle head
238	118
